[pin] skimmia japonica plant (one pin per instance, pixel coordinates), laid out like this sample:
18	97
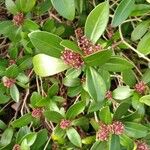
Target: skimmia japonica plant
75	75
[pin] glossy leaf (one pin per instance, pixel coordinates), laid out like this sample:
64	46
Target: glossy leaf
126	141
98	58
22	121
45	65
65	8
14	92
144	44
74	137
42	136
122	92
121	110
97	21
114	143
140	30
6	137
135	130
71	82
53	116
145	99
122	12
99	145
71	45
31	137
11	6
25	5
95	85
117	64
75	110
46	43
140	9
105	115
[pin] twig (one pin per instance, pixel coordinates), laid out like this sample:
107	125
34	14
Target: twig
132	48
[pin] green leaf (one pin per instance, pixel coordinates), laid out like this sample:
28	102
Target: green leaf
117	64
99	145
6	137
95	85
14	92
145	99
24	145
97	21
105	115
31	137
122	12
74	137
53	90
129	77
144	44
121	110
41	139
8	29
65	8
73	73
12	71
46	43
53	116
4	98
71	45
122	92
135	130
146	76
30	25
25	5
71	82
21	133
11	6
98	58
114	143
45	65
126	141
140	9
140	30
88	140
3	126
75	110
22	121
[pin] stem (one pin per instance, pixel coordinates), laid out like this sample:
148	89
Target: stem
132	48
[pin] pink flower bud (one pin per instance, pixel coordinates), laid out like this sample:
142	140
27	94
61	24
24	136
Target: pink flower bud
140	87
16	147
142	145
37	113
64	124
18	19
117	128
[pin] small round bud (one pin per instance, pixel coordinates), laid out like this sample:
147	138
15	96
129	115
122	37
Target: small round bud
16	147
37	112
64	124
140	87
103	133
142	145
71	58
108	95
8	82
117	128
18	19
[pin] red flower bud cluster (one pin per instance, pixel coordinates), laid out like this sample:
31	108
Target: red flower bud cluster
85	44
64	124
105	130
142	146
18	19
16	147
8	82
140	87
71	58
103	133
37	113
108	95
